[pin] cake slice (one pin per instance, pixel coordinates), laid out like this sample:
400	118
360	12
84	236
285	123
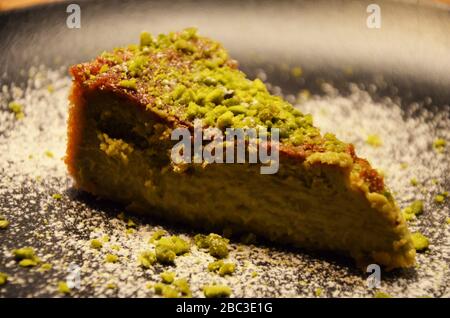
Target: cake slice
125	105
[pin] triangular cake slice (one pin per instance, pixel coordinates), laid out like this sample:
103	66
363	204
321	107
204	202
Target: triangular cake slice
126	103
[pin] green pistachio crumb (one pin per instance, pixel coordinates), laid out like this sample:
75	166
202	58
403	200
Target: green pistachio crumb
111	286
3	278
297	71
167	277
448	220
96	243
146	39
131	223
374	141
103	69
318	292
414	182
111	258
166	291
56	196
222	268
130	84
381	295
26	257
157	235
440	198
49	154
63	288
412	210
45	267
146	259
420	241
183	287
216	291
217	245
28	263
17	109
105	238
439	145
130	231
4	224
254	274
167	248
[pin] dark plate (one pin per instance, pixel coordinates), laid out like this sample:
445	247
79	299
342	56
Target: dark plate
407	59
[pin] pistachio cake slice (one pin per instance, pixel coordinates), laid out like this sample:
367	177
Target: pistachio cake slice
125	105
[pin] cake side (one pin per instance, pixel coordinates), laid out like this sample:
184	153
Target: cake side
319	176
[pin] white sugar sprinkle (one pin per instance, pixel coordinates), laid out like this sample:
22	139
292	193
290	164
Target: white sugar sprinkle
60	230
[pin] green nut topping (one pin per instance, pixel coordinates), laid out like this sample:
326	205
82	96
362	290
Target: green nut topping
167	248
190	76
222	268
439	145
178	288
63	288
26	257
216	291
3	278
97	244
17	109
412	210
111	258
217	245
382	295
146	259
420	241
4	223
167	277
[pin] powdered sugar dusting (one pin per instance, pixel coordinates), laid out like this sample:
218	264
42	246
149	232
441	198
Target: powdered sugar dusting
61	229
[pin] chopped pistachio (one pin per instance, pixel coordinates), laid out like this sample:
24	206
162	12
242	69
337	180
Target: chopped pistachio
183	287
49	154
439	145
157	235
4	224
56	196
382	295
111	258
222	268
17	109
146	259
130	84
166	290
146	39
167	277
25	253
414	182
105	238
131	223
63	288
167	248
50	88
45	267
420	241
254	274
318	292
297	71
448	220
217	245
440	198
3	278
413	209
111	286
374	141
216	291
130	231
95	243
28	262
